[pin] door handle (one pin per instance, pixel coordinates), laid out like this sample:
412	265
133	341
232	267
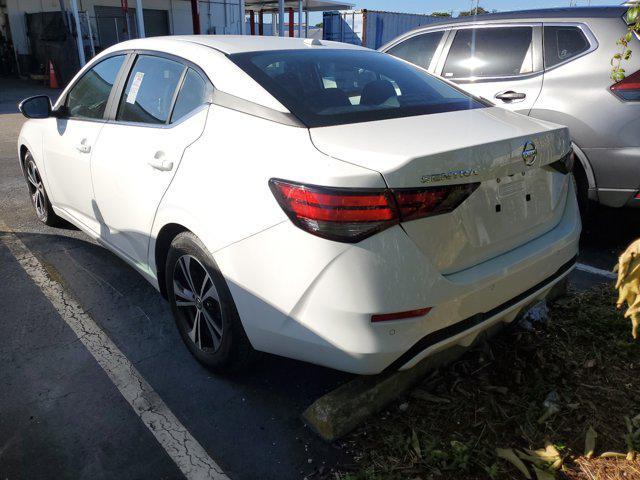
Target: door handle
510	96
83	147
159	162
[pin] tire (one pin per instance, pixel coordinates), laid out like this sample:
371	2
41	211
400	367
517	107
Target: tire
208	321
39	198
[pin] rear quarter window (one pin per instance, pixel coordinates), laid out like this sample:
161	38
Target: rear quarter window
562	43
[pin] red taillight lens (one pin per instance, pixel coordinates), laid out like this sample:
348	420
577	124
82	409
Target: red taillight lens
351	215
344	215
629	88
426	202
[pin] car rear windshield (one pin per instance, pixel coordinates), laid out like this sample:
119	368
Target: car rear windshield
325	87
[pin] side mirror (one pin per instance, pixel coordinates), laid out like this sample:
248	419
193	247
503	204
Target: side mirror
36	107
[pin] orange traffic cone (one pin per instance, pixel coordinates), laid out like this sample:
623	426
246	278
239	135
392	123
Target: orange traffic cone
53	81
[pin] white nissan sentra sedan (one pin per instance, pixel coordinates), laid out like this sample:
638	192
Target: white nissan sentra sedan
309	199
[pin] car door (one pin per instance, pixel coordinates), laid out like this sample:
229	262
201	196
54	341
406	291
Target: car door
69	139
499	62
162	109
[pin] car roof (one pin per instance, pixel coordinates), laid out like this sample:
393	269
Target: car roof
536	14
230	44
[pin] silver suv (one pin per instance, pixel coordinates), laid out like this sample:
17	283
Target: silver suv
553	65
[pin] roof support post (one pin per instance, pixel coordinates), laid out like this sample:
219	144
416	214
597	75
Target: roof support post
299	18
243	26
306	24
260	23
291	23
252	22
281	18
140	19
76	16
195	16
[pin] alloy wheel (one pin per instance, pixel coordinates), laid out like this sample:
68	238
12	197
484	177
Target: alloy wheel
36	189
198	304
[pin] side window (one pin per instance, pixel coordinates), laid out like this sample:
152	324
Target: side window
490	52
562	43
88	97
150	89
419	49
195	91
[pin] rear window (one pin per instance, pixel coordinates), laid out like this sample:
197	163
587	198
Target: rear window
333	87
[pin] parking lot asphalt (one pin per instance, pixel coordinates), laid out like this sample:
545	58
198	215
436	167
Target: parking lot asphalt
61	416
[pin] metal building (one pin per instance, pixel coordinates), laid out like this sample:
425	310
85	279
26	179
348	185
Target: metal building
39	31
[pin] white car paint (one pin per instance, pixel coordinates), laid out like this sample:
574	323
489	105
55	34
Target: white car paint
297	294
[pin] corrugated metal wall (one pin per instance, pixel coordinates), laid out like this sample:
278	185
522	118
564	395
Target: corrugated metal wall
370	28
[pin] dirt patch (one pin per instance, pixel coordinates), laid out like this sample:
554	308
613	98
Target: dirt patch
523	392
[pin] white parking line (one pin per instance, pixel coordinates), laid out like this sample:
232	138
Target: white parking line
596	271
184	450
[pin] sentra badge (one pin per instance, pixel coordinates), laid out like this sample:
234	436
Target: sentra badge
439	177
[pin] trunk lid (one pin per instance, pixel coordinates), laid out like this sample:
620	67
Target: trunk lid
514	203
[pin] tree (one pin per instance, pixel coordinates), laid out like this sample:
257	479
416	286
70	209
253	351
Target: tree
633	21
440	14
473	11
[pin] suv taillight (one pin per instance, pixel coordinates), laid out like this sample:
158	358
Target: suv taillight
629	88
353	214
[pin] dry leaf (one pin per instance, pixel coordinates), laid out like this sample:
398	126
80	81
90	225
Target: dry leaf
509	455
613	455
415	444
590	442
543	474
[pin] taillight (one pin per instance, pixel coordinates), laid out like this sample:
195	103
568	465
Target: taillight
629	88
427	202
352	214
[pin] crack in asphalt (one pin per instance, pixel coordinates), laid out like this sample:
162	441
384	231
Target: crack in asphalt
187	453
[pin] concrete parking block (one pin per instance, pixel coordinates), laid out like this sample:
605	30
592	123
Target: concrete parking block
342	410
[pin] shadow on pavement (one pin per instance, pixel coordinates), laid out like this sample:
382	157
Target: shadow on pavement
607	233
250	423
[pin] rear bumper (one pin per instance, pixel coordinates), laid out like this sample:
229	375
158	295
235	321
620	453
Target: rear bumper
469	328
311	299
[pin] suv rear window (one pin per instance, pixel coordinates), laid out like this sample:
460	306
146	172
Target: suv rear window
331	87
562	43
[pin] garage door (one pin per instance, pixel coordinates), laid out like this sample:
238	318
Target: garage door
114	27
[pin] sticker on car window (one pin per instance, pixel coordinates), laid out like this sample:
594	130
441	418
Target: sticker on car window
135	86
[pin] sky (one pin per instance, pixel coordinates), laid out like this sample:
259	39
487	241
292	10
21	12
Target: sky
428	6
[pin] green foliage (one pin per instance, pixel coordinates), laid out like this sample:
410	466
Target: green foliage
473	11
441	14
632	18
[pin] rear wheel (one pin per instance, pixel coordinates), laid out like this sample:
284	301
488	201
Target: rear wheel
37	192
203	308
